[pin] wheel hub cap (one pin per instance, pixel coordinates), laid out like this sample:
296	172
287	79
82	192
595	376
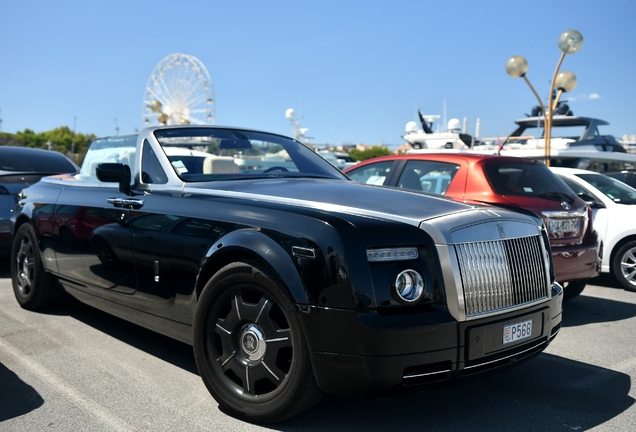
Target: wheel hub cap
252	341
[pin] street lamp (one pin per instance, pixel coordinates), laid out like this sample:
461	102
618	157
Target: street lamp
570	42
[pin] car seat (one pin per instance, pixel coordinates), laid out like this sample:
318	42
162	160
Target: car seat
410	180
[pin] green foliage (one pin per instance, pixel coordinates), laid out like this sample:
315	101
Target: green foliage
274	148
61	139
9	140
375	151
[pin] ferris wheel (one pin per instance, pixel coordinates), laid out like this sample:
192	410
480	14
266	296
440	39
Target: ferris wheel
179	91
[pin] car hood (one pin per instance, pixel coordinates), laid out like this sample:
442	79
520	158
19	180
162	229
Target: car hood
342	197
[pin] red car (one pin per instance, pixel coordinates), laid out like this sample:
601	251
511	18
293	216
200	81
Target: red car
504	181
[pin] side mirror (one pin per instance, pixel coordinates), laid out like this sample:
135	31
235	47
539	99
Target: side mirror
115	173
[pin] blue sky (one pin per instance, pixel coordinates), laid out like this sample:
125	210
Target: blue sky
353	71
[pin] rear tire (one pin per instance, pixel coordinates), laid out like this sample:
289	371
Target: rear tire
249	346
573	289
624	266
31	283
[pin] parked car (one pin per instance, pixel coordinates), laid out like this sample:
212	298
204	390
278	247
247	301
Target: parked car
289	279
504	181
19	168
627	176
614	206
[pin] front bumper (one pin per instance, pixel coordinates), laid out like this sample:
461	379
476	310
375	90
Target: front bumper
371	354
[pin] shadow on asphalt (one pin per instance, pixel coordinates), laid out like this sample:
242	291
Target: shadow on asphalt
16	397
545	393
155	344
589	310
167	349
584	310
605	280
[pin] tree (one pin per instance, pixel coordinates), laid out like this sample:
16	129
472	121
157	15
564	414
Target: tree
61	140
9	140
375	151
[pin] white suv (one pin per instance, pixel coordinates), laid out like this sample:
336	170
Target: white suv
614	207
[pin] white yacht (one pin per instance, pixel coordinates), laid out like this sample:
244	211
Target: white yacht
576	142
426	138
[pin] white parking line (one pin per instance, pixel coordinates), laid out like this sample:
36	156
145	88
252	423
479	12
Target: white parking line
71	394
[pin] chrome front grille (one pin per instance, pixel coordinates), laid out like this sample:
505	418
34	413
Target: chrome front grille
502	274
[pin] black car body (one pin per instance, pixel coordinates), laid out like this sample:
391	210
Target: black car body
19	168
289	279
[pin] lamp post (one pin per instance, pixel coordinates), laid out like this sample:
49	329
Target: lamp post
570	42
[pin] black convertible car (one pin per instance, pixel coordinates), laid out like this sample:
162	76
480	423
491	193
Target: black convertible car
288	279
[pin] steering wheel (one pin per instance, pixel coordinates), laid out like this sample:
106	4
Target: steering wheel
276	168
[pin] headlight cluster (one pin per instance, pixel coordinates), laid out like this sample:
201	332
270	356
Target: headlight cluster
409	286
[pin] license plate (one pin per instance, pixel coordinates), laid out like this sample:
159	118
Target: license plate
558	226
517	331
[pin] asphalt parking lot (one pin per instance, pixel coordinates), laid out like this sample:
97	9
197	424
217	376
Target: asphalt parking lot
79	369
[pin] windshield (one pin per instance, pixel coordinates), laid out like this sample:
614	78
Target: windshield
528	180
615	190
205	154
117	149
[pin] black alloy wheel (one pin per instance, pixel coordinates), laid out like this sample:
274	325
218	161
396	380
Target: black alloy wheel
249	346
31	283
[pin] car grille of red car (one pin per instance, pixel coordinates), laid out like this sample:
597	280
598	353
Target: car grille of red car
502	274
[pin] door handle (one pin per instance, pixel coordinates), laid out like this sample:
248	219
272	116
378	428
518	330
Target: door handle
126	202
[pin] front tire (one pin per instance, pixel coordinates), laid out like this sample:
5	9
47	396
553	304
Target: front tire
624	266
31	283
249	346
573	289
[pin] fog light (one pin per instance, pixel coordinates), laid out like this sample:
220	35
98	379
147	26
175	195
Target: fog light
409	286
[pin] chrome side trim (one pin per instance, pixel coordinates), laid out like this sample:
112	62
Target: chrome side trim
452	281
426	374
506	357
555	333
303	252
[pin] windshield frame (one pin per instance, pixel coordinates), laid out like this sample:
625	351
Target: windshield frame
246	154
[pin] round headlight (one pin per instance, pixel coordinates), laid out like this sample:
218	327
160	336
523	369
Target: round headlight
409	286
